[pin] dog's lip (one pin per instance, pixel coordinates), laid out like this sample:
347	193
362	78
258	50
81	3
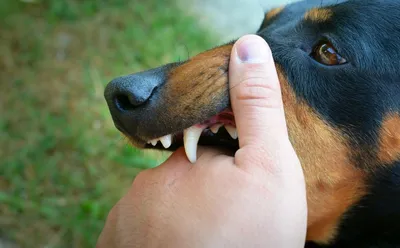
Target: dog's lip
224	118
119	125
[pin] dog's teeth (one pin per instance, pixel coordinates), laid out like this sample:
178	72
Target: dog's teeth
154	142
191	137
214	128
232	131
166	141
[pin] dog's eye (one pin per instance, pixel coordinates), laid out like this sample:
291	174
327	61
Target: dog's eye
326	54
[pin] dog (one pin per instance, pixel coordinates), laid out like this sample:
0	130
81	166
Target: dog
338	63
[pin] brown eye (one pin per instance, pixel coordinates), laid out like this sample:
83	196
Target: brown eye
326	54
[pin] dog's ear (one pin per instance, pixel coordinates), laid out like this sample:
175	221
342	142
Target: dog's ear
270	16
389	139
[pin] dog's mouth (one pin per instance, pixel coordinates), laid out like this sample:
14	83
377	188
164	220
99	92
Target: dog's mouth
219	130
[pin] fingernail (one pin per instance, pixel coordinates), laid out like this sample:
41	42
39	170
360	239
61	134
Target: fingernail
253	51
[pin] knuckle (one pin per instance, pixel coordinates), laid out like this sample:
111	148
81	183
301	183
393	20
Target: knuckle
264	162
257	91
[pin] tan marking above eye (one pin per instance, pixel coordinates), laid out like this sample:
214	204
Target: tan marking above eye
389	139
318	15
271	14
325	53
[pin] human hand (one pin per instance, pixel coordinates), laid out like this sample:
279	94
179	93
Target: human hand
255	199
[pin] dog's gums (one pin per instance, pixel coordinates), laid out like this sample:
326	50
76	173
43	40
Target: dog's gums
191	136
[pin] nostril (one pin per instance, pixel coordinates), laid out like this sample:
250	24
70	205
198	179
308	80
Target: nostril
128	93
122	102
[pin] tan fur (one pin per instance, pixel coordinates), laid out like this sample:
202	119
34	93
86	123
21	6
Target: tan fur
318	15
389	139
271	14
274	12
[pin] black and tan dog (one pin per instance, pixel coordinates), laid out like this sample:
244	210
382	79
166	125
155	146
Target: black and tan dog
339	67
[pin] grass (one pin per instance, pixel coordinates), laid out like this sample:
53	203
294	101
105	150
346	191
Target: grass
63	164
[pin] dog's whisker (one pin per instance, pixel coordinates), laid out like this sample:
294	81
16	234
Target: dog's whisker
187	51
178	48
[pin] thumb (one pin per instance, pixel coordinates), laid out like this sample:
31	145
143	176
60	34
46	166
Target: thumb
256	101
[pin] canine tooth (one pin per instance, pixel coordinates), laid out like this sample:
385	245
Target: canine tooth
214	128
232	131
191	137
154	142
166	141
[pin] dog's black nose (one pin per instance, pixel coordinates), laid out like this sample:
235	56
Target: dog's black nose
133	97
129	92
126	95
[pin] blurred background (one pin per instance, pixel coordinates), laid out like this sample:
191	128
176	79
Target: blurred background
63	165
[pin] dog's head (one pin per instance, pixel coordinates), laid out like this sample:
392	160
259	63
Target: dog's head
338	64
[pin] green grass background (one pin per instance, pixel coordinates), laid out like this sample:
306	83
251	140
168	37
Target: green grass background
63	165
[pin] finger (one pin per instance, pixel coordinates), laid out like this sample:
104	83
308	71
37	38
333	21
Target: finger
256	97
